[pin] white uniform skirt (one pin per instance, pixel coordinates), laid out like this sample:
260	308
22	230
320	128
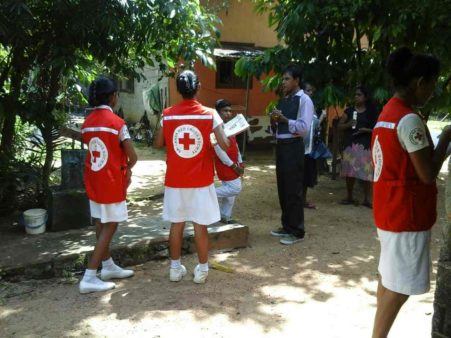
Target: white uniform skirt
198	205
405	262
107	213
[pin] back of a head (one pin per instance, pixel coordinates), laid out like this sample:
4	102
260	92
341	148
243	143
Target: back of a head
187	84
222	103
100	91
403	66
294	70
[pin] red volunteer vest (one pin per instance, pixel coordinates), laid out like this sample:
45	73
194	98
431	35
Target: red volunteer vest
187	127
224	172
401	201
105	164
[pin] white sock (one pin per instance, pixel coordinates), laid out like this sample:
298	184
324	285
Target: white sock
90	274
108	263
176	263
203	267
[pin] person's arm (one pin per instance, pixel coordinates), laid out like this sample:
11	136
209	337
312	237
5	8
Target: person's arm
221	137
414	138
132	158
222	155
158	141
71	133
218	130
426	169
343	125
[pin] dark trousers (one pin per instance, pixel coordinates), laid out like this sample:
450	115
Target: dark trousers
290	177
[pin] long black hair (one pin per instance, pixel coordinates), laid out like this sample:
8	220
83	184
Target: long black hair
100	91
187	84
403	66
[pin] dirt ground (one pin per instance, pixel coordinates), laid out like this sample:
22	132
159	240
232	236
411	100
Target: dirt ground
322	287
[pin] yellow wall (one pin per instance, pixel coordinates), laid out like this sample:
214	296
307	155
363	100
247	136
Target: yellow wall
240	23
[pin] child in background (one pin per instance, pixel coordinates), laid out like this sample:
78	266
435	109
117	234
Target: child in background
229	167
107	175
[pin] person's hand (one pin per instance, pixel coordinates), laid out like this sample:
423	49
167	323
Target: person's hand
446	132
277	116
128	177
353	123
239	170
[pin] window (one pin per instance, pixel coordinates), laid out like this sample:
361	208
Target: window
127	85
225	75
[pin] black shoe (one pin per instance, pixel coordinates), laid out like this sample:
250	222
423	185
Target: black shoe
280	233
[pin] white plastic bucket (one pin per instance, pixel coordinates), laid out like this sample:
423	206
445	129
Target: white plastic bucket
35	220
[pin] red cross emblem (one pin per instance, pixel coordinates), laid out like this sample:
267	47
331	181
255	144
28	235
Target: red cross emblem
95	155
186	141
418	136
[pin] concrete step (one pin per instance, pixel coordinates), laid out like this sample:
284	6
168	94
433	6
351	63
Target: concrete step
65	254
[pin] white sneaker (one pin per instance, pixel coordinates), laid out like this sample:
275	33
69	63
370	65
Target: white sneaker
115	271
176	275
199	276
95	285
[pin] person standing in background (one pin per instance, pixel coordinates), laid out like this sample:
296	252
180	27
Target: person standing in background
357	123
290	122
310	163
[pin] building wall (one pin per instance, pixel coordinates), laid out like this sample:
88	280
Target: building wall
242	24
133	104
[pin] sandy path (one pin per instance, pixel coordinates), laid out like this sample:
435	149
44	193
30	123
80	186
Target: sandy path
322	287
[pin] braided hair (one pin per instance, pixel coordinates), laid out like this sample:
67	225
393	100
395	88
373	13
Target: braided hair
100	91
187	84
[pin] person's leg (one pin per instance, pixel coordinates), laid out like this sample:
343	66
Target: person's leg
228	191
99	227
280	176
176	270
294	175
105	234
366	193
90	282
388	305
176	240
350	187
201	240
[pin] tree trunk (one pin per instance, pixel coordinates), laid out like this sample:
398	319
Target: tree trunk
6	145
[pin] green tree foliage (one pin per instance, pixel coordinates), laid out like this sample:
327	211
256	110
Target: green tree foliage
344	42
49	47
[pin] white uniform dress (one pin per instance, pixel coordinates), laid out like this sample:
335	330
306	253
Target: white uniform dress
198	205
405	261
113	212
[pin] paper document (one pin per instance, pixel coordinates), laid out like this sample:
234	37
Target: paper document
234	127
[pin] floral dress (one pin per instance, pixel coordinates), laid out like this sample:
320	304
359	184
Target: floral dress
356	157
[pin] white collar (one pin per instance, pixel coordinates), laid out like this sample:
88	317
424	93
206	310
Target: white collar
299	93
104	106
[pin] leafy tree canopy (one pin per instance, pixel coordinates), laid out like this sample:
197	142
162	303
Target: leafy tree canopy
344	42
49	48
